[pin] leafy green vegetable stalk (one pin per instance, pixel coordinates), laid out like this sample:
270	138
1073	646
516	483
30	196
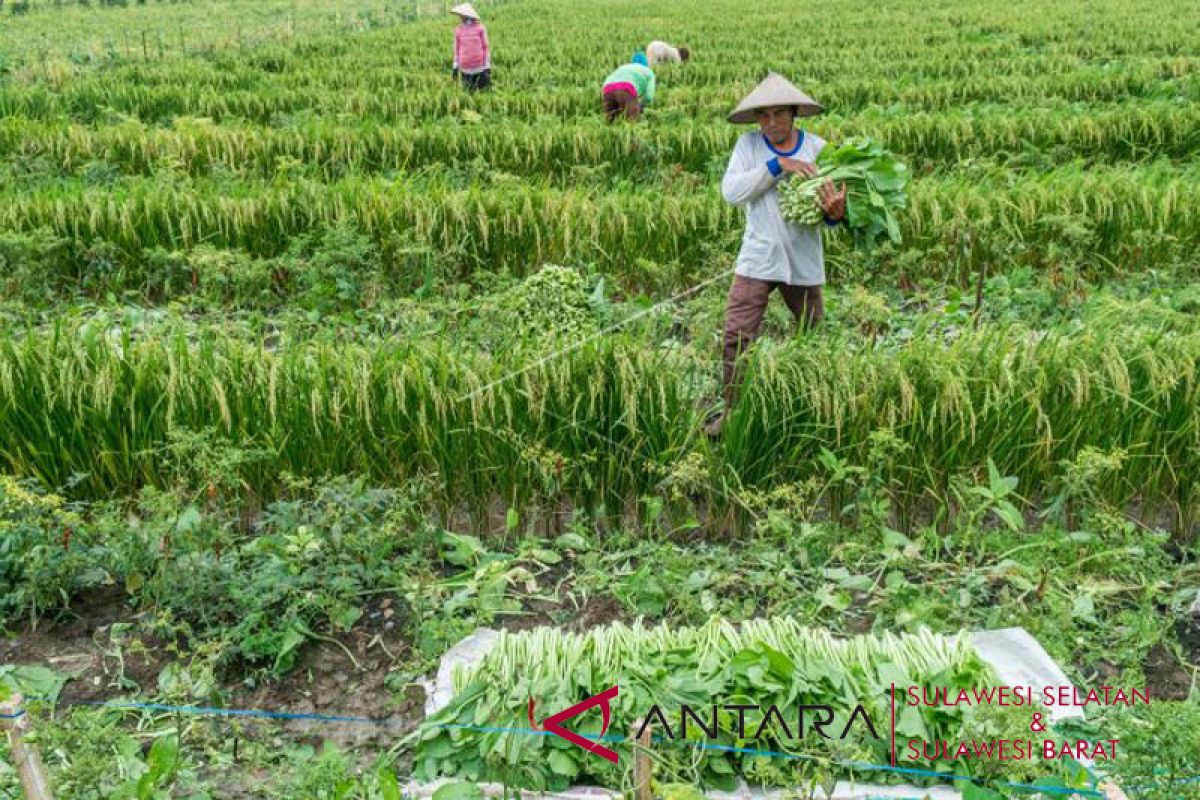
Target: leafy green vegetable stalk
876	190
777	662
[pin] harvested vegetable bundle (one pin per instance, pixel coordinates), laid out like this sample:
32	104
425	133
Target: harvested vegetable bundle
876	190
774	662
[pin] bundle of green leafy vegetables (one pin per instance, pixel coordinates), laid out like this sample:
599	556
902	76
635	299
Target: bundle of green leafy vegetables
876	190
483	734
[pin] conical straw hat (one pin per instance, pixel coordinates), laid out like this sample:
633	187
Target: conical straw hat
465	10
775	90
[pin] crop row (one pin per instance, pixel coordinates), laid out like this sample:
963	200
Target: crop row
403	58
1099	217
100	33
335	147
92	100
938	44
615	418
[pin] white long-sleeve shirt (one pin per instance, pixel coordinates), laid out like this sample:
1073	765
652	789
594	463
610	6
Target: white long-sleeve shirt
662	53
773	249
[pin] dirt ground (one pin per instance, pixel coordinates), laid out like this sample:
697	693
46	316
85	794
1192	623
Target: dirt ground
101	646
104	646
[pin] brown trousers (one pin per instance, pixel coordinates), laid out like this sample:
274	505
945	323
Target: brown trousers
744	313
621	103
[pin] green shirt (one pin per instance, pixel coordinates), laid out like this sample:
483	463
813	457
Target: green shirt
641	77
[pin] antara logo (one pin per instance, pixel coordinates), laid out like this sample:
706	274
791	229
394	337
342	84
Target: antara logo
771	717
553	724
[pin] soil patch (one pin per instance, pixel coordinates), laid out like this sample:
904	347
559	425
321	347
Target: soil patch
96	643
1166	678
101	645
326	681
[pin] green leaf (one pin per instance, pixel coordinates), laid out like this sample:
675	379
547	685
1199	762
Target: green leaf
168	677
460	549
895	539
889	674
32	681
389	786
720	766
909	723
459	790
679	791
492	595
292	639
722	782
1000	485
893	230
545	556
1084	607
842	577
838	601
163	758
571	541
972	792
189	520
344	617
440	747
511	520
562	764
781	665
597	299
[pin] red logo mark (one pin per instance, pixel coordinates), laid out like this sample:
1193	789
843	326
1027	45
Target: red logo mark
551	724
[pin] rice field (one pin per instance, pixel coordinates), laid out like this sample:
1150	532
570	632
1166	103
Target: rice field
312	362
598	425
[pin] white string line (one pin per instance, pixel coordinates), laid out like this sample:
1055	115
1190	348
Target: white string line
595	336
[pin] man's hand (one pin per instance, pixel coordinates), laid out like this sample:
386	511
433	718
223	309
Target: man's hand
833	201
804	169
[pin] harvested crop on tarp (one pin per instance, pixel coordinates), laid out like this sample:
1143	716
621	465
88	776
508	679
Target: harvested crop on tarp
774	663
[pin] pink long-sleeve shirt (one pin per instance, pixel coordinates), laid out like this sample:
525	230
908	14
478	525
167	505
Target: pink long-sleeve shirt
471	54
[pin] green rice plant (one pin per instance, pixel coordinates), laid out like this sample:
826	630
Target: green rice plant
106	408
605	422
333	147
507	228
1025	399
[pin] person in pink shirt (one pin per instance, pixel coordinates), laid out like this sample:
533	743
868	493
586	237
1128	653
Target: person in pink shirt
472	57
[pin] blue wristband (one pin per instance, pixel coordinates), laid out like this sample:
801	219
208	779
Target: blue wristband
832	223
774	168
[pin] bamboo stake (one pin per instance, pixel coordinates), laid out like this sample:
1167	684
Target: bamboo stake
26	758
641	762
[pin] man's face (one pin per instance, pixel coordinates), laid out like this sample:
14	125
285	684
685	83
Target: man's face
776	123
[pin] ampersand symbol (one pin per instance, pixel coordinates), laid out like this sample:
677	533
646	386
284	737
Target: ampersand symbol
1038	726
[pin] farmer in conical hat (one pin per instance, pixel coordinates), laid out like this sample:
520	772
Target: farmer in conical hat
472	56
628	89
775	253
